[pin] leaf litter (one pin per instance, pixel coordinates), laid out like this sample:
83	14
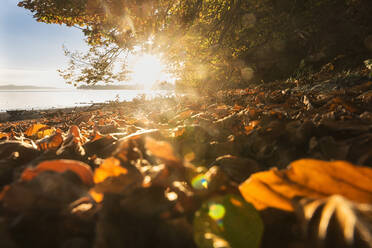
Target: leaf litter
226	170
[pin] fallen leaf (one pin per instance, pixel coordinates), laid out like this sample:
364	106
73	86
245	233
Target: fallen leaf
251	126
98	197
109	168
34	128
4	135
308	178
51	142
81	169
160	149
73	143
45	132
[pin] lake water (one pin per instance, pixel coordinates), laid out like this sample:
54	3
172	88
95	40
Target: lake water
62	98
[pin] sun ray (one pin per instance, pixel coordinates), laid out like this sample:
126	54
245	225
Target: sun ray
147	70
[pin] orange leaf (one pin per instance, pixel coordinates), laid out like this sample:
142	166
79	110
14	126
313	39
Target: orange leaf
51	142
251	126
310	178
98	197
34	128
4	135
96	136
74	131
238	107
81	169
109	168
160	149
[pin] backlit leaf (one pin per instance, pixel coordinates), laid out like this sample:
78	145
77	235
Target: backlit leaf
34	128
310	178
109	168
51	142
45	132
98	197
160	149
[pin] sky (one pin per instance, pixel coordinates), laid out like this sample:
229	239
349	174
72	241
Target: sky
31	52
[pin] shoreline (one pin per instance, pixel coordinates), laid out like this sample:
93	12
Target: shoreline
26	114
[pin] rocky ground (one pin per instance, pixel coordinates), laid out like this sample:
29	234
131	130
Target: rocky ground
171	172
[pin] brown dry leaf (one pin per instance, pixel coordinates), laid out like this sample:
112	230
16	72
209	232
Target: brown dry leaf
34	128
339	101
60	165
101	122
109	168
160	149
237	107
73	142
308	178
51	142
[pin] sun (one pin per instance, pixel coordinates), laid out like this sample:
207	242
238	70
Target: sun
148	69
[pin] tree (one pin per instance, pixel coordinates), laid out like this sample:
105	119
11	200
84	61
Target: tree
213	43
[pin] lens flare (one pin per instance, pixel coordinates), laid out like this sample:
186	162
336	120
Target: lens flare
217	211
199	182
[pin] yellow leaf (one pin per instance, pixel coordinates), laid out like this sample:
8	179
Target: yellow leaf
308	178
98	197
34	128
45	132
109	168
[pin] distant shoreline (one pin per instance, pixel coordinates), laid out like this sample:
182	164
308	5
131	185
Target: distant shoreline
24	87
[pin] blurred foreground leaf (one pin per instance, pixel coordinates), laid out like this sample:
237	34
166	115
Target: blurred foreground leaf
310	178
81	169
109	168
